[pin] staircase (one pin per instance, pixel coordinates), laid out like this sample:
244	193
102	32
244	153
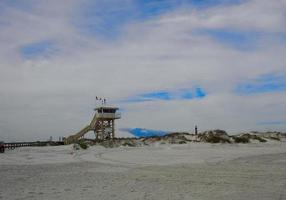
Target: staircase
81	133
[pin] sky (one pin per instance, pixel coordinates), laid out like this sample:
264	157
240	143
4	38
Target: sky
167	64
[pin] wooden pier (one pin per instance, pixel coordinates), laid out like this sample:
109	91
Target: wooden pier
13	145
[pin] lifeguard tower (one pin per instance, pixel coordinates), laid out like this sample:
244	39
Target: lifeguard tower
102	124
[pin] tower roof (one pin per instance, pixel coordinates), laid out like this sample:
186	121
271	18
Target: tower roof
106	107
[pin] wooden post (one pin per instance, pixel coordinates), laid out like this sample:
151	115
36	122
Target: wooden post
113	132
102	130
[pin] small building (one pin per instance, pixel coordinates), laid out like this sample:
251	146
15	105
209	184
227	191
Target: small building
104	112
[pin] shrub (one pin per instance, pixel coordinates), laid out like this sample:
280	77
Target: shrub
76	146
82	144
241	139
274	138
128	144
216	139
219	132
259	138
212	139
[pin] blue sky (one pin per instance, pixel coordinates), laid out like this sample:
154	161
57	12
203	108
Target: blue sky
263	84
107	18
165	95
38	49
168	64
235	39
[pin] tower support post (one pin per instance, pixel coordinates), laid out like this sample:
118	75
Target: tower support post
113	129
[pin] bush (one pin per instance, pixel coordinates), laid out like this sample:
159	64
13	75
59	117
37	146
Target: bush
76	146
129	144
216	139
212	139
219	132
82	144
259	138
241	139
274	138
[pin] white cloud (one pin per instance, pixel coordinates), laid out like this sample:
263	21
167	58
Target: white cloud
55	96
253	15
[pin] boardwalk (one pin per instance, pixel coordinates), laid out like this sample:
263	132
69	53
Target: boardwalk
13	145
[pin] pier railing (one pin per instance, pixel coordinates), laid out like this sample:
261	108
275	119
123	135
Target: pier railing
13	145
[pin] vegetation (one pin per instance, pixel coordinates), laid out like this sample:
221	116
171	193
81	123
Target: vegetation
83	144
260	139
241	139
274	138
211	136
215	136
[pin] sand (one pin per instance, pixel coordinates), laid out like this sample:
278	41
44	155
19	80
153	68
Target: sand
189	171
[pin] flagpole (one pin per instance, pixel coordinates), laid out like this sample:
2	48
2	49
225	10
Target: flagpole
95	101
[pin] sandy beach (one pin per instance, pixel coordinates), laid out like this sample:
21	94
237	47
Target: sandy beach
189	171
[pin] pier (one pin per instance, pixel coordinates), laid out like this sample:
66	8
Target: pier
13	145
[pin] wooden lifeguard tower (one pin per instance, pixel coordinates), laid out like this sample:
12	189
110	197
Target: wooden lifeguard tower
102	124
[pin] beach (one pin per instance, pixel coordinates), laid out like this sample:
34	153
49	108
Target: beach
161	171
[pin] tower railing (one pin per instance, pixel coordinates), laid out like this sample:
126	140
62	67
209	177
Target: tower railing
108	115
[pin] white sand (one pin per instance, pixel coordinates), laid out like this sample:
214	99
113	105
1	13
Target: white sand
191	171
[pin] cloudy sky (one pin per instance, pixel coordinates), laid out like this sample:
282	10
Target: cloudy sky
168	65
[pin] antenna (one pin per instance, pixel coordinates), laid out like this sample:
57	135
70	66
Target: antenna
95	98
